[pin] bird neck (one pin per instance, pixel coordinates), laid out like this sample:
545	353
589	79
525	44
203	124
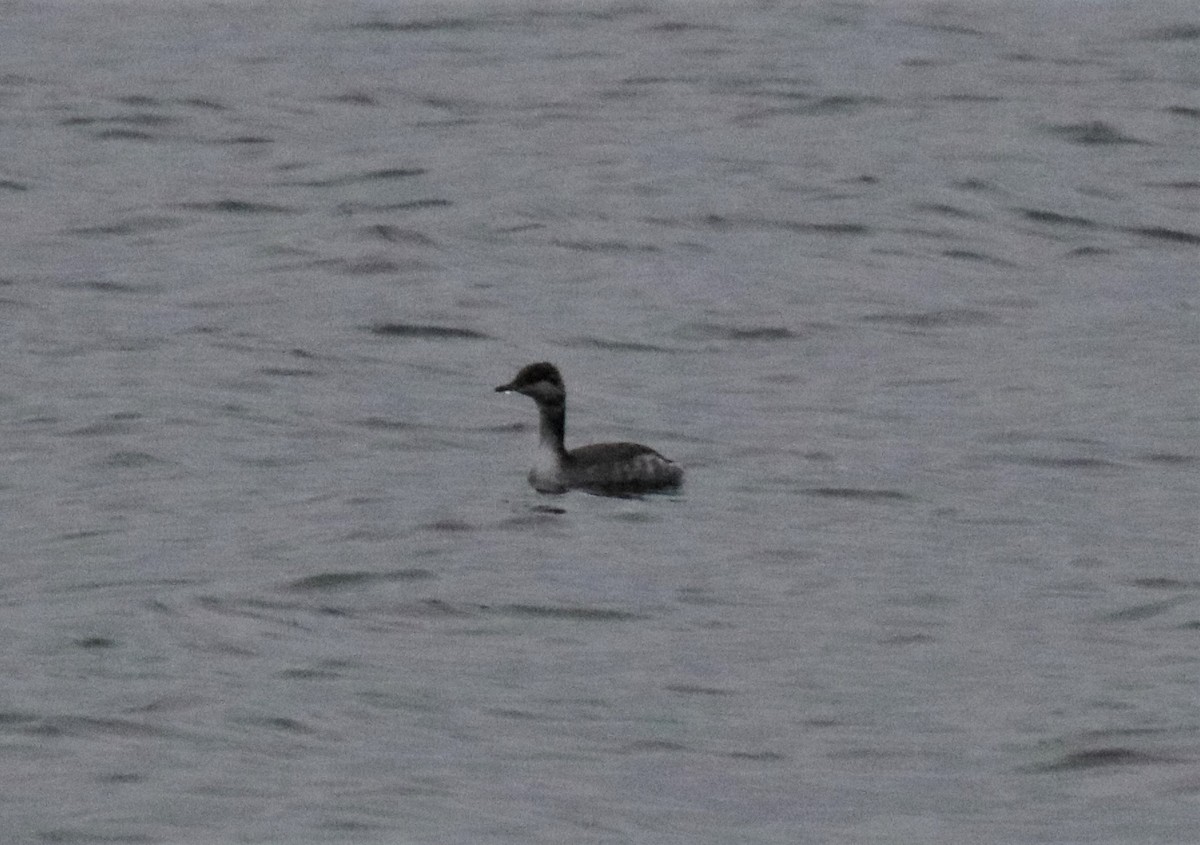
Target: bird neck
553	425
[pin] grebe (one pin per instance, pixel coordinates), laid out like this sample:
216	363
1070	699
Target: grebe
605	469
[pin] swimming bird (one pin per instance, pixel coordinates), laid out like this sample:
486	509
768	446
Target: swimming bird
604	469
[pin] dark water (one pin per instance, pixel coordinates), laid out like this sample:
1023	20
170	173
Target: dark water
911	289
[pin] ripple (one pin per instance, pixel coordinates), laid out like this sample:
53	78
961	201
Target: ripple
288	372
1019	436
616	345
832	104
410	205
245	140
142	100
129	226
69	836
975	185
421	25
1164	583
945	210
385	424
970	255
721	221
310	673
1096	132
672	27
1160	233
762	756
578	614
123	135
1168	458
419	331
16	717
92	726
399	235
325	581
449	526
203	103
610	246
125	777
860	493
943	318
354	98
696	689
1176	32
133	459
652	746
385	174
106	286
138	119
1138	612
279	723
1099	758
535	516
1054	462
232	206
715	331
370	265
1053	218
829	228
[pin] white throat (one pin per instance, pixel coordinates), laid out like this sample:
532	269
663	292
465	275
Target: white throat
547	475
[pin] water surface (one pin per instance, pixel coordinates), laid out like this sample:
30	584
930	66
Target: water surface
909	289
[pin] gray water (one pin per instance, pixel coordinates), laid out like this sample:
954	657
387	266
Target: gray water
910	289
